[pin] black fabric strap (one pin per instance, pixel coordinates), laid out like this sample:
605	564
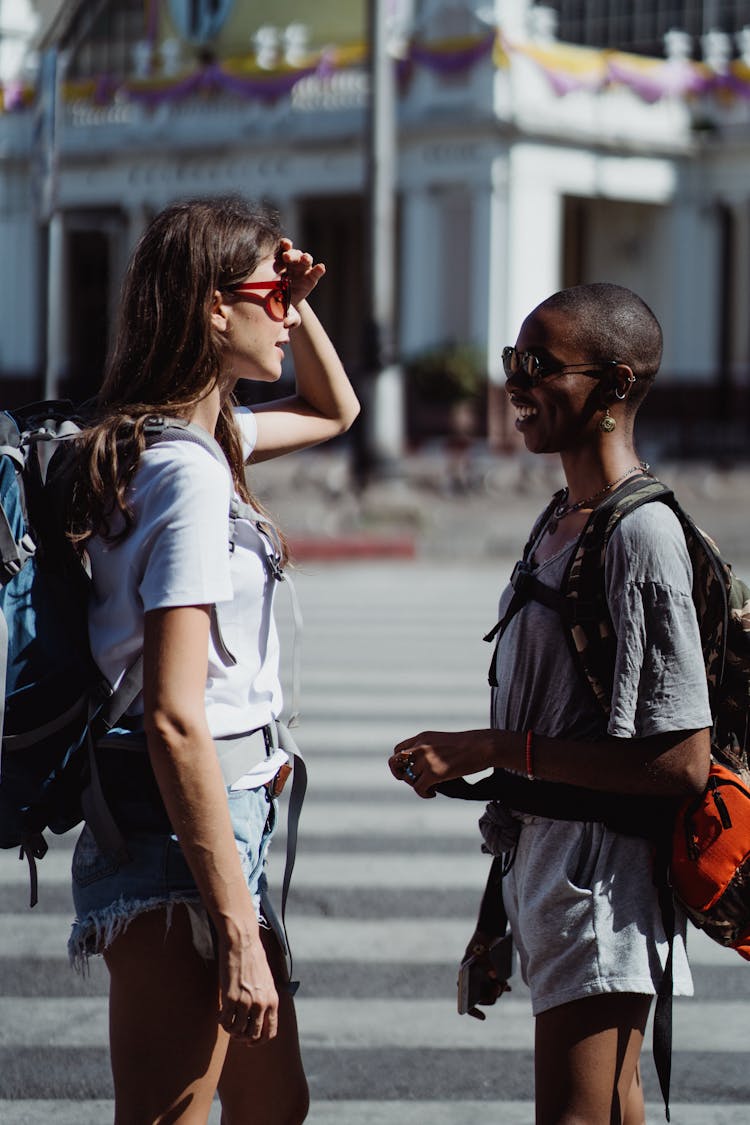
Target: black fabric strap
628	814
662	1030
492	919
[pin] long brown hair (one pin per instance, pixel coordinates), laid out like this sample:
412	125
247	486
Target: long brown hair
166	355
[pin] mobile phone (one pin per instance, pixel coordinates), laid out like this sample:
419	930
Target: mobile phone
475	985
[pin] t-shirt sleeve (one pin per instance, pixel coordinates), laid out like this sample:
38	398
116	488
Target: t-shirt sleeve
660	681
248	428
183	502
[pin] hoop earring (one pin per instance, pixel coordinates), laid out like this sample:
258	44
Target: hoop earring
622	397
608	423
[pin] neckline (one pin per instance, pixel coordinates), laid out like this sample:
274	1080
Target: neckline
566	546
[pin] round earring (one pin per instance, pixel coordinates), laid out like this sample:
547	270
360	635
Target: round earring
608	423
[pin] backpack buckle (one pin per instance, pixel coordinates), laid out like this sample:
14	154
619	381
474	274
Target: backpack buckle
520	578
154	424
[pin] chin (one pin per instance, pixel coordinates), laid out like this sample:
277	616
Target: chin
534	445
260	375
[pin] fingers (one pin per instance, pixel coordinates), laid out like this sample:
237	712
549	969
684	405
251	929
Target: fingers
411	767
402	766
298	263
254	1020
249	1007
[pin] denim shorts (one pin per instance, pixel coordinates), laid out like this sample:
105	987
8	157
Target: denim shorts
108	894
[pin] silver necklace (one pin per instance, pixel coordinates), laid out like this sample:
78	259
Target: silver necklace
564	509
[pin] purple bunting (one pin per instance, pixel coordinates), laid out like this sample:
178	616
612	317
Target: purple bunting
669	80
212	79
674	78
563	83
452	62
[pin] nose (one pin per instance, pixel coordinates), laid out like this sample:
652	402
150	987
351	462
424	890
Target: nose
292	318
518	381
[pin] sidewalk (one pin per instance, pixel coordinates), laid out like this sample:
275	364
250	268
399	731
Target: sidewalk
479	510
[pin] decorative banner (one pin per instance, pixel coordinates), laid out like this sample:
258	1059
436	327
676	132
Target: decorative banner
567	68
654	79
267	87
199	20
453	56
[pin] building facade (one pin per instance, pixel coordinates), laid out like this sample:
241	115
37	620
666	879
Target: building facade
524	163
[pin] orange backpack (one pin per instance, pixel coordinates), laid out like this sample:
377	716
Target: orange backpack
710	863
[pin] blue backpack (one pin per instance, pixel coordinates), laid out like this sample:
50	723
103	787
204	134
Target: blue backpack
56	703
44	655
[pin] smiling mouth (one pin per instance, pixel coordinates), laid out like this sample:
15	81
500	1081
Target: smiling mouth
524	412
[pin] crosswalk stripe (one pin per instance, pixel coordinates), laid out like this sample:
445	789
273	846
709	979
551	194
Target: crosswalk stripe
391	1112
377	869
389	940
76	1022
376	818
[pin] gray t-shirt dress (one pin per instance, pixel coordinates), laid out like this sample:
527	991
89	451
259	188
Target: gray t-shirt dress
580	898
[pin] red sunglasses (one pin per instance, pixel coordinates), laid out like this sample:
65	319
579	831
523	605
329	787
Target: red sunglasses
277	300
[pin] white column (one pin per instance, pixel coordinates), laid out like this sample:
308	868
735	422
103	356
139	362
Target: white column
56	358
740	342
493	280
534	235
137	221
419	272
491	275
289	214
690	349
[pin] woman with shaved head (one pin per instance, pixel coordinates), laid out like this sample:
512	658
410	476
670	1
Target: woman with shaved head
580	896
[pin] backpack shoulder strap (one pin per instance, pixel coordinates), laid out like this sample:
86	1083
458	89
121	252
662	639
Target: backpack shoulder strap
162	428
592	638
520	580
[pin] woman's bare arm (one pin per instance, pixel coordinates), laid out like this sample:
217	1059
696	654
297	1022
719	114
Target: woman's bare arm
187	770
666	765
324	404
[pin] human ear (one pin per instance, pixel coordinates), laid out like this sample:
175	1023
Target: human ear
623	381
219	312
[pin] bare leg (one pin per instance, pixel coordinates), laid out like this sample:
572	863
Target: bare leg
166	1044
635	1110
586	1061
265	1084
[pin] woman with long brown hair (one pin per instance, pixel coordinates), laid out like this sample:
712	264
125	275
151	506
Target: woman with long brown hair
198	985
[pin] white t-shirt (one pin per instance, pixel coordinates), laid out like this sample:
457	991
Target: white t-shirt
177	554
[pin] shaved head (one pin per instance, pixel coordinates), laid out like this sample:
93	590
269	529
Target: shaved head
608	322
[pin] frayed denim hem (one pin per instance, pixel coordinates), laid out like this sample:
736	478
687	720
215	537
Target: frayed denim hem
96	932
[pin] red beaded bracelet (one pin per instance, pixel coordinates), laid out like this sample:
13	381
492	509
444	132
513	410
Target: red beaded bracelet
529	754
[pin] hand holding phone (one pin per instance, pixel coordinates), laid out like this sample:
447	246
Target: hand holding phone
483	975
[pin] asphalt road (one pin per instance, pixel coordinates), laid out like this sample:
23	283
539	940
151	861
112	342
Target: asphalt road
385	895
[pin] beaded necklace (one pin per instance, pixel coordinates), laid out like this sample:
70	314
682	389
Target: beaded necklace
564	509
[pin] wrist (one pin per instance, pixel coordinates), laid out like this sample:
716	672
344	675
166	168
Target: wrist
237	927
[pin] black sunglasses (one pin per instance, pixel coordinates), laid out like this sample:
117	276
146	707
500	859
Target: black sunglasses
527	370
